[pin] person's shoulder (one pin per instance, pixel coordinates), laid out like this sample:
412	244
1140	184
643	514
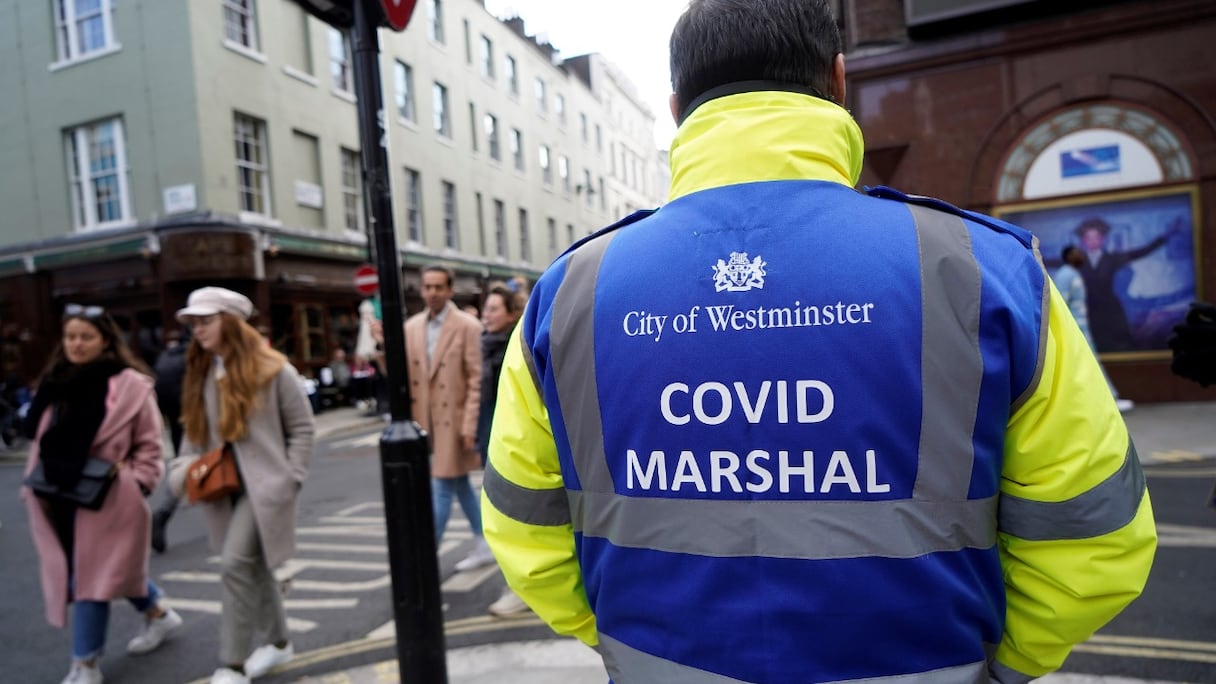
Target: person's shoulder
468	320
990	222
129	379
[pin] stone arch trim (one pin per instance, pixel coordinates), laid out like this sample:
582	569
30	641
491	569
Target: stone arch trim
1181	115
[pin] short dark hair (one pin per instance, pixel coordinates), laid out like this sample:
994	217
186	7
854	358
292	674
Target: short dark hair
440	268
1066	251
716	42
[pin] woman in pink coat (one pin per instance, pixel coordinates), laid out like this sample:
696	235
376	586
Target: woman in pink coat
95	399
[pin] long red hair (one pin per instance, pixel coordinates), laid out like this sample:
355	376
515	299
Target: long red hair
249	365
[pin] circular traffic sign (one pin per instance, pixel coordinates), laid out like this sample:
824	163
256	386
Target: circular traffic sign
367	281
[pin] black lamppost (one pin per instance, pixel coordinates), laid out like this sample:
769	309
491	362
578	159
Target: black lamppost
404	456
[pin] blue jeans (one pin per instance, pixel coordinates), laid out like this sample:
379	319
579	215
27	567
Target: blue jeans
442	489
91	618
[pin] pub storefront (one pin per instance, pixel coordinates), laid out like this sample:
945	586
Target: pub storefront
301	285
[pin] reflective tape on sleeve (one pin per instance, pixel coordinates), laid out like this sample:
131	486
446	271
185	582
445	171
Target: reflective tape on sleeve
547	507
1108	506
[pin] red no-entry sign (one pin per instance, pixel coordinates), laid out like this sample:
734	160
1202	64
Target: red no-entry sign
397	12
366	279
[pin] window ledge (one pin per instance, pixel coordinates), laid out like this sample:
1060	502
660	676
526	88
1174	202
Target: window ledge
108	225
343	94
245	51
408	123
258	219
445	139
87	57
300	75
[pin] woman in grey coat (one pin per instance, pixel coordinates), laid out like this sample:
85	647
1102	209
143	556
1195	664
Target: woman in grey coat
240	391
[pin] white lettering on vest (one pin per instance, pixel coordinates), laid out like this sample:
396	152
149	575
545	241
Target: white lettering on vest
754	402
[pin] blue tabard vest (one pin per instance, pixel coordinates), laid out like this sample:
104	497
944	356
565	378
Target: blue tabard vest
779	409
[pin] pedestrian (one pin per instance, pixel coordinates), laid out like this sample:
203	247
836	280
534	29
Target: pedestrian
443	349
848	434
239	391
1071	285
501	312
95	400
170	367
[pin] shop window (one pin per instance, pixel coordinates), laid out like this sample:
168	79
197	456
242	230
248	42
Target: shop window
311	333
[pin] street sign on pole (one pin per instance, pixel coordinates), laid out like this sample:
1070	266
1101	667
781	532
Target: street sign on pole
367	281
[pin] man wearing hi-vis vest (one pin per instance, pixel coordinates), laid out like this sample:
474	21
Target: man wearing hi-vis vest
782	431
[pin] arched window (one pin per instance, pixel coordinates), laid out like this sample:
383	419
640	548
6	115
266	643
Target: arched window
1092	148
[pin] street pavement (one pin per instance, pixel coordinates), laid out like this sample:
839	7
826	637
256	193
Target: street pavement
1164	434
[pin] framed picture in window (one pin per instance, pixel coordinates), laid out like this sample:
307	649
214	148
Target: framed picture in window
1139	264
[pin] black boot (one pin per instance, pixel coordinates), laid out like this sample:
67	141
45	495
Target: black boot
159	520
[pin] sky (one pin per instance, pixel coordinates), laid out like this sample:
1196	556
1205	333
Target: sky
632	34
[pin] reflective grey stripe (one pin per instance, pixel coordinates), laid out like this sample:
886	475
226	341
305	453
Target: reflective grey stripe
787	529
572	348
1109	506
1007	675
530	362
951	365
548	507
1044	311
626	665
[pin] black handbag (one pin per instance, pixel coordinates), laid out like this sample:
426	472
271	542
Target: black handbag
90	490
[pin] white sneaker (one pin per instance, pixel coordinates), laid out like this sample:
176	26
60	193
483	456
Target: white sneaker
155	632
480	556
83	674
226	675
508	604
1125	405
266	658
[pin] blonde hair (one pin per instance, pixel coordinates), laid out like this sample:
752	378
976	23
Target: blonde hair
249	365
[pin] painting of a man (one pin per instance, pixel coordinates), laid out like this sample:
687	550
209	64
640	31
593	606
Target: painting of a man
1137	263
1108	320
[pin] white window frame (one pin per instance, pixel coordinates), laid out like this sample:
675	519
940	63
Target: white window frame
485	48
490	123
517	149
451	234
434	24
403	80
83	181
352	190
243	16
546	165
512	73
413	206
68	35
559	108
500	229
341	72
441	111
563	171
525	236
259	168
542	103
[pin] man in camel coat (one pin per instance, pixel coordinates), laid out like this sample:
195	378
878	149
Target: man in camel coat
443	350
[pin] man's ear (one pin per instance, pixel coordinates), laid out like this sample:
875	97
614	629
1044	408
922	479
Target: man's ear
675	108
838	79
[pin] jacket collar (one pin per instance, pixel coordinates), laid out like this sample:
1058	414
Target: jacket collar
764	135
